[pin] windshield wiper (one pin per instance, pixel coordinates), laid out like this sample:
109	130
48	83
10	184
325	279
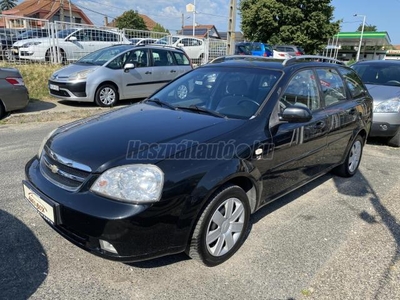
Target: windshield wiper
202	110
161	103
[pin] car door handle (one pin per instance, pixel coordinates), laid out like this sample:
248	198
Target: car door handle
319	125
148	72
172	71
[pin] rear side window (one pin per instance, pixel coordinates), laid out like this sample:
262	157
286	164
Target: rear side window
332	86
353	82
181	59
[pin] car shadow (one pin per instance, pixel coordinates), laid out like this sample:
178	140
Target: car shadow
160	262
24	264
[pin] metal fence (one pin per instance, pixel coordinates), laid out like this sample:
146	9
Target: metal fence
29	40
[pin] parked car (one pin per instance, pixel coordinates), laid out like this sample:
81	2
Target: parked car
13	92
118	72
282	55
173	174
260	49
194	47
7	43
243	49
382	79
142	41
69	45
291	49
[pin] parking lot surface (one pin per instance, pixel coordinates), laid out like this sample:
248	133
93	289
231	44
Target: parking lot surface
335	238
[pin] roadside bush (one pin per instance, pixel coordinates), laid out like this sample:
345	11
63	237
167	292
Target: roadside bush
35	78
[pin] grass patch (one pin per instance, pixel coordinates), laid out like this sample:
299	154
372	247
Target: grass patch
35	78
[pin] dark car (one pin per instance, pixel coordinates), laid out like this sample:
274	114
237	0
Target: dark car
243	49
382	79
13	92
173	174
292	50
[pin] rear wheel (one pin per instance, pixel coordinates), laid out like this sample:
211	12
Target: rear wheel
395	140
50	57
222	227
106	95
352	161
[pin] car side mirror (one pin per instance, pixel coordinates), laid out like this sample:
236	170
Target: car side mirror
72	38
180	45
128	67
296	114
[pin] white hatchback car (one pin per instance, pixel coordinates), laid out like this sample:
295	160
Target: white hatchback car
69	44
193	47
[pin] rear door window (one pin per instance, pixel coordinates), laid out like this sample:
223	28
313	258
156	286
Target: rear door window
332	85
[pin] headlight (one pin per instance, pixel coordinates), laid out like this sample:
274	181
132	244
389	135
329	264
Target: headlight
44	142
137	183
26	45
81	75
390	106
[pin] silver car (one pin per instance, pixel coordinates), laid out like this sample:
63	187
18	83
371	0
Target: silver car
13	92
382	79
119	72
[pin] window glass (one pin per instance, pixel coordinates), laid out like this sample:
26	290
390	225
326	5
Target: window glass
353	82
302	90
162	57
181	59
120	61
332	86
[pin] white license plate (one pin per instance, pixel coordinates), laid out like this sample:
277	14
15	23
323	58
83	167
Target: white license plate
54	87
39	204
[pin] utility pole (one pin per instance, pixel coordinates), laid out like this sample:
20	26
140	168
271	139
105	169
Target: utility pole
183	22
62	10
70	12
231	27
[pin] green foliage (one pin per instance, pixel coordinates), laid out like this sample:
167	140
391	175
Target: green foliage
7	4
306	23
367	28
159	28
130	20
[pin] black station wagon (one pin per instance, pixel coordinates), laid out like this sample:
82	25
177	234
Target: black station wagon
183	170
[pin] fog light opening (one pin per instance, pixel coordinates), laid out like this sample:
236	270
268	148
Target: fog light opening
384	127
106	246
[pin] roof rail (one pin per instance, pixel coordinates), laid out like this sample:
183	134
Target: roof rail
293	60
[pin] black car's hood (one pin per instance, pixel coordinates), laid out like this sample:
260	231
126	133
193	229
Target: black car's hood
114	138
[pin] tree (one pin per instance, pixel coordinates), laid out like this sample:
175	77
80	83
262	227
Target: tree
7	4
160	28
367	28
306	23
130	20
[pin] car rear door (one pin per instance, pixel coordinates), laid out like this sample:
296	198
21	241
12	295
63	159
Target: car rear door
344	101
165	68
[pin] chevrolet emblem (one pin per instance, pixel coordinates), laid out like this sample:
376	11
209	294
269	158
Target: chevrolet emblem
53	168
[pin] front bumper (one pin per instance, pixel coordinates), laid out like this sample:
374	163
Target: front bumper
385	124
75	91
137	232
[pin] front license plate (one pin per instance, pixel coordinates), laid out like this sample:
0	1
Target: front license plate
54	87
44	208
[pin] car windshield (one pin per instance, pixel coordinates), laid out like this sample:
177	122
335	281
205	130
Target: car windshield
66	32
100	57
233	92
379	73
167	40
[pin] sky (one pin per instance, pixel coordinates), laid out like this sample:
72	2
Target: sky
382	13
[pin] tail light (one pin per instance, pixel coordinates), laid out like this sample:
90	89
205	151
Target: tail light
298	53
265	54
15	80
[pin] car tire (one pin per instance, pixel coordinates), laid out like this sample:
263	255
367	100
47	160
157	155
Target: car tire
222	227
106	95
62	58
353	159
182	92
8	55
395	140
2	110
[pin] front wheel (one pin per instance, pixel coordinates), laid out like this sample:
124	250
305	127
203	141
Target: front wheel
353	158
222	227
106	95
